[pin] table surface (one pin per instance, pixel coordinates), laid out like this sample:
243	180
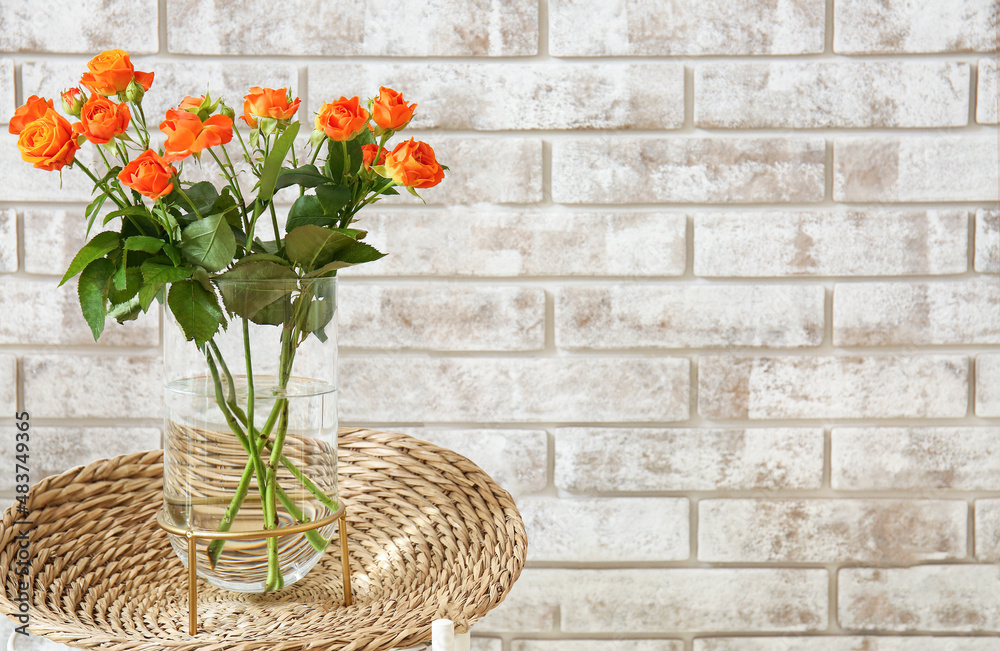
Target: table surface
430	535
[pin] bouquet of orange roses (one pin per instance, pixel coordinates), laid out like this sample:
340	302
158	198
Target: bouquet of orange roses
173	241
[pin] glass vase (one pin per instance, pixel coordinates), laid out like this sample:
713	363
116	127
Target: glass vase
257	401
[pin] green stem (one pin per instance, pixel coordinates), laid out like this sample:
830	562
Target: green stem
315	538
234	183
271	492
274	222
231	385
144	132
251	450
251	398
177	186
215	547
104	186
346	221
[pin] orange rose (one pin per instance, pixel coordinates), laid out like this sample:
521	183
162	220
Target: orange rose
33	109
149	175
390	110
110	73
268	103
413	164
101	119
342	120
368	153
48	142
73	100
187	134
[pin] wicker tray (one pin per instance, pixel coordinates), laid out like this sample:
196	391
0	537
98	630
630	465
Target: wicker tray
430	535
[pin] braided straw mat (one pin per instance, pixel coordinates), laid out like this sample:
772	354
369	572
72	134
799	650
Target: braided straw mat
430	535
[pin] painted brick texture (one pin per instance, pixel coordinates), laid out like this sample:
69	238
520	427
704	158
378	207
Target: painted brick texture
710	288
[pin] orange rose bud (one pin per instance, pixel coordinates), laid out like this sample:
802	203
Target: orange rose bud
390	110
268	103
149	175
342	120
110	73
33	109
187	134
413	164
48	142
191	104
101	119
368	156
73	100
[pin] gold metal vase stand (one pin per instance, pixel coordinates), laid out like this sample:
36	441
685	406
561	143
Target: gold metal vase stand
193	535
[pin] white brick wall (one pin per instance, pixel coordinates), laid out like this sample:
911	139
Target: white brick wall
710	288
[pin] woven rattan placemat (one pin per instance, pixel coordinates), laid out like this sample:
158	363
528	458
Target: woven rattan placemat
430	535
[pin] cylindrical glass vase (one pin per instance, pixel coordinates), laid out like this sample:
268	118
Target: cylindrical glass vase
258	401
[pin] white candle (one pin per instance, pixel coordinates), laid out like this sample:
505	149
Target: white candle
462	641
442	635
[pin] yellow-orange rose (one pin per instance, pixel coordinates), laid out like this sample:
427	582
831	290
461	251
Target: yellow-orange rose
33	109
49	142
111	71
101	119
342	120
390	110
149	175
413	164
268	103
187	134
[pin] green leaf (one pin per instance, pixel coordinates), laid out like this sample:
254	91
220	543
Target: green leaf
127	311
144	243
153	272
333	198
307	210
413	191
358	253
173	253
227	205
196	311
354	156
335	163
93	208
249	291
201	277
118	280
131	211
313	246
263	257
274	161
209	242
93	292
125	285
98	247
329	269
308	176
317	315
270	246
167	220
202	194
149	292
